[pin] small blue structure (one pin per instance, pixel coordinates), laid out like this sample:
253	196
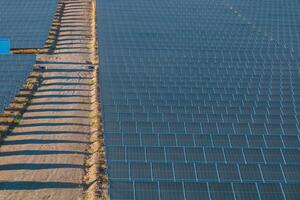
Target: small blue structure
4	46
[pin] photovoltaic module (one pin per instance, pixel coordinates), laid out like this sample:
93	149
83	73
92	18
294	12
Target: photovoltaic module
201	98
26	23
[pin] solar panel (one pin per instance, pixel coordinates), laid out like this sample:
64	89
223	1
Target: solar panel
201	98
14	70
26	23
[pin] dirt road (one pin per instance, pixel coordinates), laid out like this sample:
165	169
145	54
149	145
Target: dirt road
44	156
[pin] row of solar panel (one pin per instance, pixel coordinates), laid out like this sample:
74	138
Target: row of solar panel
207	69
202	45
203	140
284	54
186	21
161	127
26	23
209	72
153	91
212	55
261	81
212	74
168	76
170	104
216	44
208	172
203	95
272	87
202	98
173	65
189	7
204	154
159	114
206	191
210	106
231	87
218	53
213	104
185	39
212	61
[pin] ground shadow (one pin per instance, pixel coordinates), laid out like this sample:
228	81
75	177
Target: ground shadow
34	185
37	166
37	141
52	124
48	132
38	152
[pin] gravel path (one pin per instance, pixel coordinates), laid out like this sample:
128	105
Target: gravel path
44	156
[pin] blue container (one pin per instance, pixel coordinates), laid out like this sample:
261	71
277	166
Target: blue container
4	46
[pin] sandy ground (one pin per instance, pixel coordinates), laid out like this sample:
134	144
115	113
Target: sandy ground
43	158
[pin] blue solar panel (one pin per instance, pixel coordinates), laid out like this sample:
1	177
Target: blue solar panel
200	98
14	70
26	23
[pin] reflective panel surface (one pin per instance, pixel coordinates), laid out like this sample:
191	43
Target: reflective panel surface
200	98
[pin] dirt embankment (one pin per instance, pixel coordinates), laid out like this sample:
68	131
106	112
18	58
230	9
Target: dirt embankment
56	149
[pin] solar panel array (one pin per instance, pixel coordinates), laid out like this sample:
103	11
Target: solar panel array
279	19
26	23
14	69
200	98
